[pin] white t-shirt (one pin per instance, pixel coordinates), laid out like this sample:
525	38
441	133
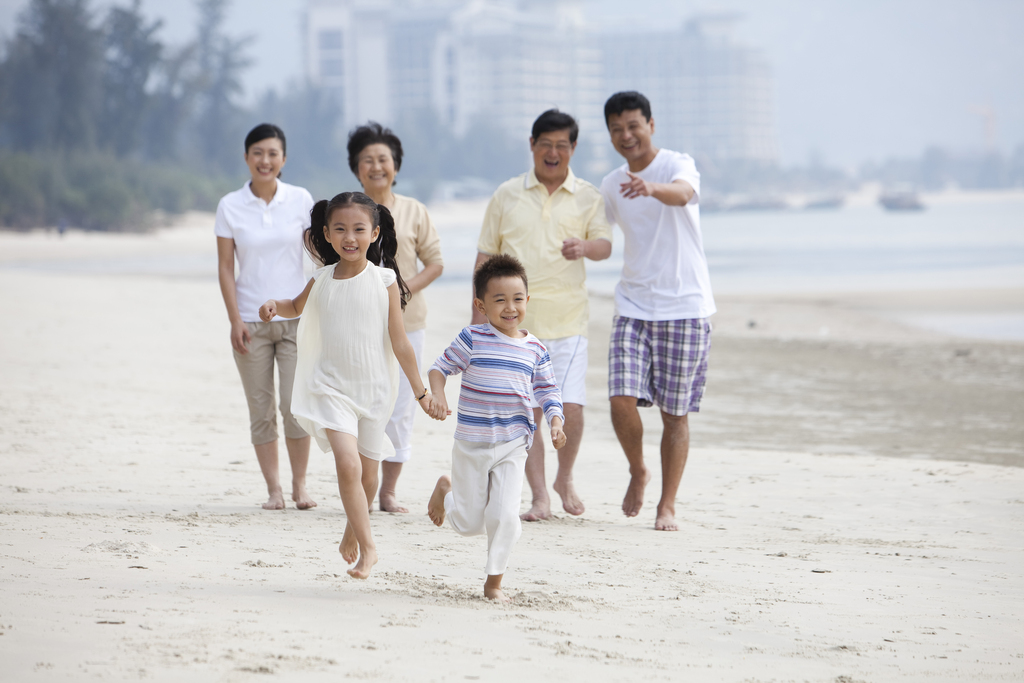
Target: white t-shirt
268	244
664	270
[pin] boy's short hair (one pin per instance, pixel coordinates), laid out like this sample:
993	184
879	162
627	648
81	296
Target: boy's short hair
553	120
500	265
626	101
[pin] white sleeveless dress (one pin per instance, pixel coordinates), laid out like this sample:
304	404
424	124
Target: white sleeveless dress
346	378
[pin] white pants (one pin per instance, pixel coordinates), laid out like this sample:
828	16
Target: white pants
399	428
487	487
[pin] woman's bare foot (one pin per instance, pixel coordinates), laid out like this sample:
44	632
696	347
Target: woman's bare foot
349	547
367	558
301	498
634	499
492	589
538	512
666	520
435	506
389	504
275	502
571	502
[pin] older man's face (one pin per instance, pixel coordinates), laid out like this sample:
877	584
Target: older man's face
551	154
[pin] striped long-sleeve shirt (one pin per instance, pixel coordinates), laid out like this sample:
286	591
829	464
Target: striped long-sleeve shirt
498	373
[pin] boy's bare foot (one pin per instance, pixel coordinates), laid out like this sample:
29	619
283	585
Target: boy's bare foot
275	502
538	512
492	589
435	506
571	502
634	499
389	504
666	519
301	498
367	558
349	547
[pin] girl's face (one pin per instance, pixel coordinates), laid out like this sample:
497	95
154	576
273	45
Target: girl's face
265	160
376	168
351	232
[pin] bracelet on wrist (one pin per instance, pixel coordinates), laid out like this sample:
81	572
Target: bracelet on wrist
420	397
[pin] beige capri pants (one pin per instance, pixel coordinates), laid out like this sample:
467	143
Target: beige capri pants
269	342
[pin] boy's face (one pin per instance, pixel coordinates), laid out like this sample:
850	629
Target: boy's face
504	304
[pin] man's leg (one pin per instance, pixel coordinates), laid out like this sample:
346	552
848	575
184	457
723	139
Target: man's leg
630	431
563	485
540	508
675	446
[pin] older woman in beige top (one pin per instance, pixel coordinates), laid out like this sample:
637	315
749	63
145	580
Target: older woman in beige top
375	156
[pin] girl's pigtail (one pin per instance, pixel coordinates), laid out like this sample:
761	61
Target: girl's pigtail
320	250
388	248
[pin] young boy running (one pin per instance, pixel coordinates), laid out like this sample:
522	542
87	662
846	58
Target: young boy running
500	363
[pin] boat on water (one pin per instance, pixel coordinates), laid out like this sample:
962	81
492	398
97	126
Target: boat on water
825	202
901	200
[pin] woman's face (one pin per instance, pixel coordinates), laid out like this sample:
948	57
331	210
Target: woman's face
376	169
351	232
265	160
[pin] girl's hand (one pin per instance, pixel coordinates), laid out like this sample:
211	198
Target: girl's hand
240	337
268	311
435	407
557	437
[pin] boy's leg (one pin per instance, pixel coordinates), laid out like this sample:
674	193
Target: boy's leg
466	502
353	497
501	515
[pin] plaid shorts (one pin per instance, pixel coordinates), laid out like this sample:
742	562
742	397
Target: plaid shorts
662	362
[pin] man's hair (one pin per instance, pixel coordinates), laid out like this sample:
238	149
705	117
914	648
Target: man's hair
501	265
553	120
626	101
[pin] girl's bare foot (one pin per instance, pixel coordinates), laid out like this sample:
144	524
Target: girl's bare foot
388	503
492	589
571	502
275	502
349	547
634	499
367	558
301	498
435	507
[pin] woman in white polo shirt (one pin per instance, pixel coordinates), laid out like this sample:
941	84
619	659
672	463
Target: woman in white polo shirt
375	156
262	225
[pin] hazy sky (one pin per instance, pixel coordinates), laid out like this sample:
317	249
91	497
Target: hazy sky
854	81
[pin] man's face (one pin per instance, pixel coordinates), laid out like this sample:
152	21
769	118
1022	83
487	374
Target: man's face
631	134
551	154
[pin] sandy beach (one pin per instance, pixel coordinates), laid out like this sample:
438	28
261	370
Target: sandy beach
852	510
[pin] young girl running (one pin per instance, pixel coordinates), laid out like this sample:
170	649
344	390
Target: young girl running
349	337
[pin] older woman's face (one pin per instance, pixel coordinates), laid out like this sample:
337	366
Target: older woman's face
265	159
376	168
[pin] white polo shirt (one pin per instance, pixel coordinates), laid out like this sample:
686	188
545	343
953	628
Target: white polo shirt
268	244
664	270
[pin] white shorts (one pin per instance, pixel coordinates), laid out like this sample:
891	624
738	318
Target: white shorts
569	359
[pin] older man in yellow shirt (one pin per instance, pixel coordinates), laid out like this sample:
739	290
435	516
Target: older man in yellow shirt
551	220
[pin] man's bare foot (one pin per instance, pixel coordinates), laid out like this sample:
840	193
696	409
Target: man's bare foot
634	499
389	504
492	588
538	512
435	506
367	558
301	498
571	502
666	520
349	547
275	502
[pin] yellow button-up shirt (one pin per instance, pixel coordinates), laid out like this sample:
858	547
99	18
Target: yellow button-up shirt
523	220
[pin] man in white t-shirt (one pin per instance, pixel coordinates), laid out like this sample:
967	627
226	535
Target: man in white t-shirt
660	334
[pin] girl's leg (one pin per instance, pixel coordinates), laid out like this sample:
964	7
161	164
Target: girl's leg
353	497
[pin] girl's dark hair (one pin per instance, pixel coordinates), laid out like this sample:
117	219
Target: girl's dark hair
381	252
371	134
264	131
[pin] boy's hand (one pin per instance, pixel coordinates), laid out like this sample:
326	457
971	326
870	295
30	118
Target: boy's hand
434	406
557	437
268	311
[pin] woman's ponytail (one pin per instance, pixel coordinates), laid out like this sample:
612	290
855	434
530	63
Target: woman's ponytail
314	239
386	247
